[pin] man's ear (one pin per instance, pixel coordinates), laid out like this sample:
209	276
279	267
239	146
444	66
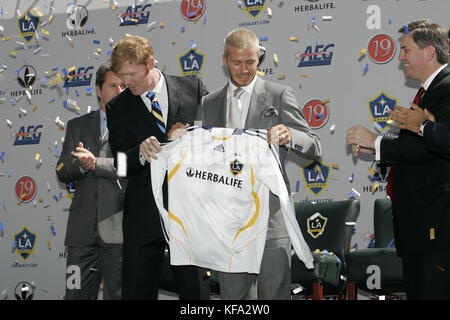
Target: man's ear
224	60
98	91
151	62
430	52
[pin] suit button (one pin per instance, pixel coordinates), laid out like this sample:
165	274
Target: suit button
95	195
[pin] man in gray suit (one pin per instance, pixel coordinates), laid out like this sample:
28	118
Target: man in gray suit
94	229
247	101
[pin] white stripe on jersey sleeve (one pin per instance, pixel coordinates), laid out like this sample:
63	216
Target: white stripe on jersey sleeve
269	172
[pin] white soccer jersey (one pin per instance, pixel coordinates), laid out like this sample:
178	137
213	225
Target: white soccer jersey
218	182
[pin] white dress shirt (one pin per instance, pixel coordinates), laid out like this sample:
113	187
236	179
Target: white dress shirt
245	99
161	96
163	99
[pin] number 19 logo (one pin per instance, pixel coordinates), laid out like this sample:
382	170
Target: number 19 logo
316	113
25	189
381	48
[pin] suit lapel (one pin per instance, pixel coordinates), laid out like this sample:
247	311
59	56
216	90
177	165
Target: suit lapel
258	103
439	77
94	125
174	97
218	114
429	97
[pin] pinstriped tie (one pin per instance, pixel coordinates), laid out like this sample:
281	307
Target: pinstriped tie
235	113
156	112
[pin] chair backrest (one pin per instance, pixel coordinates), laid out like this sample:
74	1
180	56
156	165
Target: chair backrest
383	224
328	225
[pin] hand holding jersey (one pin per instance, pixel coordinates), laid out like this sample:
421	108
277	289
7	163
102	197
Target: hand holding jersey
225	177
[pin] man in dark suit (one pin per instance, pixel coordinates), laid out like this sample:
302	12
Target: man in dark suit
263	105
94	229
138	120
436	135
419	186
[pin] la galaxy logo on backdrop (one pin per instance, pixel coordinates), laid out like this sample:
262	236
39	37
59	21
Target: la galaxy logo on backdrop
191	63
253	8
316	175
28	24
318	55
25	241
135	15
379	107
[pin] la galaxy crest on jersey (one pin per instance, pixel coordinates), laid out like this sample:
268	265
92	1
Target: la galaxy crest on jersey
316	224
379	107
236	167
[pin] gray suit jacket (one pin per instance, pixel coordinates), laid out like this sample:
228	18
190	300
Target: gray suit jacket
270	104
98	194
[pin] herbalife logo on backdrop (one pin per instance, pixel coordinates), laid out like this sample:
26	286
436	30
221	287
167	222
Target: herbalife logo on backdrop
77	18
24	291
26	77
314	5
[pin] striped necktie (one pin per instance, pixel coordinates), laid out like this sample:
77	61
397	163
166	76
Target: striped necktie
156	112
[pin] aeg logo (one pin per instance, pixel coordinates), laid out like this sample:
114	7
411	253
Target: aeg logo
78	78
135	15
28	135
321	55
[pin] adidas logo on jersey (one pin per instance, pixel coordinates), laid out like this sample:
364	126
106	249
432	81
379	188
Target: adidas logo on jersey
220	148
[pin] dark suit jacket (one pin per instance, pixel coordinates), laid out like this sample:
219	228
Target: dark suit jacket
98	196
437	137
130	123
422	182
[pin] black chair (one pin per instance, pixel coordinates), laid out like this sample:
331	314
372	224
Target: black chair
325	226
382	261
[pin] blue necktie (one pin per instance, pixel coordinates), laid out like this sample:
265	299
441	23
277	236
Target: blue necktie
156	112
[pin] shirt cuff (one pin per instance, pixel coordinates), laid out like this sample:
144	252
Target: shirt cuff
422	126
142	159
378	148
83	171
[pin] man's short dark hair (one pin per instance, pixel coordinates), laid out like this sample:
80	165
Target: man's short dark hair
425	33
101	74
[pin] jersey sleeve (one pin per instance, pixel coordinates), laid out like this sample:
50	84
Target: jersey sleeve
269	172
158	169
